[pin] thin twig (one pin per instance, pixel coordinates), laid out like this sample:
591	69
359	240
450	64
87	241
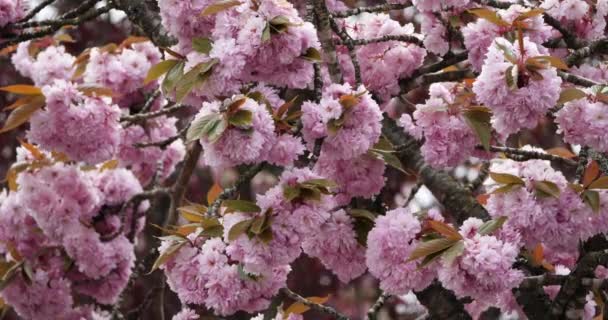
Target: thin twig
529	154
231	191
315	306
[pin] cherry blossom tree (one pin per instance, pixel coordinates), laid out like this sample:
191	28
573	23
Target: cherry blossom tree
449	156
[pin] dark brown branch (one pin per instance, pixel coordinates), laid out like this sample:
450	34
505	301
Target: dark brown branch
52	29
441	303
181	185
581	81
154	114
378	8
529	154
232	191
397	37
571	296
457	200
347	41
323	20
372	313
595	47
37	9
148	20
408	84
315	306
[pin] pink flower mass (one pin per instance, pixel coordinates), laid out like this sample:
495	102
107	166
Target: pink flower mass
303	159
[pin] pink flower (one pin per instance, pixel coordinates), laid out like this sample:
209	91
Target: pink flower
521	107
389	245
84	128
360	128
12	11
335	244
583	121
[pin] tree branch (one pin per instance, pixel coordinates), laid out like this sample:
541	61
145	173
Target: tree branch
322	19
378	8
457	200
315	306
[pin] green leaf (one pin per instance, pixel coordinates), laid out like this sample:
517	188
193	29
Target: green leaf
453	252
241	206
530	14
389	158
258	224
490	226
243	275
173	75
569	94
506	188
213	232
310	193
291	193
312	54
600	183
201	127
216	131
166	255
219	7
362	214
592	198
266	33
383	144
334	125
239	229
508	54
192	79
505	178
479	121
546	189
320	183
431	258
202	45
511	76
266	235
426	248
241	118
159	69
10	274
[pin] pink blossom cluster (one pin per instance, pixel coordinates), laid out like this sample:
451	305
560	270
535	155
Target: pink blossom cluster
144	162
243	273
359	125
389	246
344	157
556	223
293	221
12	11
585	19
448	139
203	274
594	71
358	177
122	70
335	245
85	128
524	105
484	271
383	63
479	35
433	13
66	227
253	41
259	142
50	64
583	121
